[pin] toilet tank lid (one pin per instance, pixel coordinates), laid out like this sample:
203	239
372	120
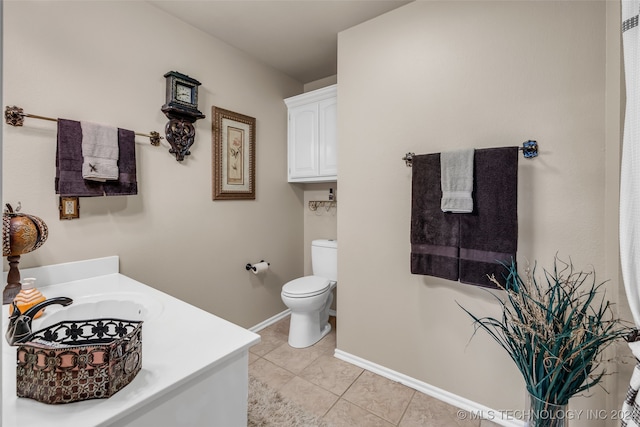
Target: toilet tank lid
325	243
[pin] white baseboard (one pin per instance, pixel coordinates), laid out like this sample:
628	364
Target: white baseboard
270	321
476	409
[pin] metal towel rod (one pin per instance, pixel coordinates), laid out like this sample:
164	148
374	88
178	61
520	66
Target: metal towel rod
529	150
14	116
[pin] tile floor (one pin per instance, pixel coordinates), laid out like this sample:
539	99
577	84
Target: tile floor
342	393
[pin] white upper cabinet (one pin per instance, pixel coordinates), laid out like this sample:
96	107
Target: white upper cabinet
313	150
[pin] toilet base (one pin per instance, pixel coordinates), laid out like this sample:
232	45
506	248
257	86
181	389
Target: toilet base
309	321
305	333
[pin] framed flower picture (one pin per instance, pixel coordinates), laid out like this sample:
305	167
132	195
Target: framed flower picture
234	156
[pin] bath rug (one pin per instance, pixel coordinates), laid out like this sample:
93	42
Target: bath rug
268	408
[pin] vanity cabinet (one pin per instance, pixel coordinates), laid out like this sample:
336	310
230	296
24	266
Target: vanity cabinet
195	365
312	136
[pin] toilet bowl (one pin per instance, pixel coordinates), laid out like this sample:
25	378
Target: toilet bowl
309	298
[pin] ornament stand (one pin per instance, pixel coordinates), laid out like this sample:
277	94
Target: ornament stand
13	280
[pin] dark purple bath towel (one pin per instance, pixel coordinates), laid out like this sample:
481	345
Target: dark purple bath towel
69	181
489	235
127	184
466	246
434	234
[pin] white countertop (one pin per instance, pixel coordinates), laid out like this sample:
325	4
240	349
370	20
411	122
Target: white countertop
179	342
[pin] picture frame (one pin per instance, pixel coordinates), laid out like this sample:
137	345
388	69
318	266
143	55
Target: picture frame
69	207
233	155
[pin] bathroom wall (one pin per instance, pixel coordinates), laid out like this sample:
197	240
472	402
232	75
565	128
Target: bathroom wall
436	76
104	61
321	223
319	84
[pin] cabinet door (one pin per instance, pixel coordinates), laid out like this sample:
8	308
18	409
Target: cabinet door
303	141
328	144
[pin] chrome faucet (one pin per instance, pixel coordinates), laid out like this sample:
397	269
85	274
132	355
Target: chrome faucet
20	323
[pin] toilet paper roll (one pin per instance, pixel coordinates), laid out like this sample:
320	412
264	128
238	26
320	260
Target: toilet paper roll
260	267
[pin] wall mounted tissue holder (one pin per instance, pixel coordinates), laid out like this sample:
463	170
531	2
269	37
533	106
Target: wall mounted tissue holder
258	267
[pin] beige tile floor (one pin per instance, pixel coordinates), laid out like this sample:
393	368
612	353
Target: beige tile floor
341	393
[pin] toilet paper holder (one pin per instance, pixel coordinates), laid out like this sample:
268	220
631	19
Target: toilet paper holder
252	267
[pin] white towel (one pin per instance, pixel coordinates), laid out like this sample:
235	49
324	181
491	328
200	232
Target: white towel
99	152
456	179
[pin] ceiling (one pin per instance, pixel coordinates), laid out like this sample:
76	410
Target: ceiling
296	37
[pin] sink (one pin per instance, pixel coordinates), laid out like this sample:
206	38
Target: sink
126	306
209	385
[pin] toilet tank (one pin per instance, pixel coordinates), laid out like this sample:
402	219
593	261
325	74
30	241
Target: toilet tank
324	258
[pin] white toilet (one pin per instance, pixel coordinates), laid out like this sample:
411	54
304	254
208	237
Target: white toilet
310	297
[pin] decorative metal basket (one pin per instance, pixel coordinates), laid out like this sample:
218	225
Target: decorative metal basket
79	360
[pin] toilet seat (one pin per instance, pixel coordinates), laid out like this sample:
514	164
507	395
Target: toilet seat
305	287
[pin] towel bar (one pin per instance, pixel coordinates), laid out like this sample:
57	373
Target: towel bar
529	150
14	116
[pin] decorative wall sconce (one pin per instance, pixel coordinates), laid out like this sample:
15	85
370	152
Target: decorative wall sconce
181	108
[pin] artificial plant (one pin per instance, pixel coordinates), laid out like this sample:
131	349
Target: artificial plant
555	332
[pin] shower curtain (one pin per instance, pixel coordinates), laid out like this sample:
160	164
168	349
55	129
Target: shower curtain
630	194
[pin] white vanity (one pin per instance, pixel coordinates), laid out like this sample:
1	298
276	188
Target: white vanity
194	364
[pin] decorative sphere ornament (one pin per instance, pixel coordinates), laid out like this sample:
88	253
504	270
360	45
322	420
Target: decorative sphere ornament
21	234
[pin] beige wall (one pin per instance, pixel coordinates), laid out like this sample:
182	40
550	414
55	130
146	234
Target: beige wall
321	223
434	76
104	62
319	84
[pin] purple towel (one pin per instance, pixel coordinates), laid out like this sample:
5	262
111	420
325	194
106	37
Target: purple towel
69	181
434	234
466	246
489	235
127	184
